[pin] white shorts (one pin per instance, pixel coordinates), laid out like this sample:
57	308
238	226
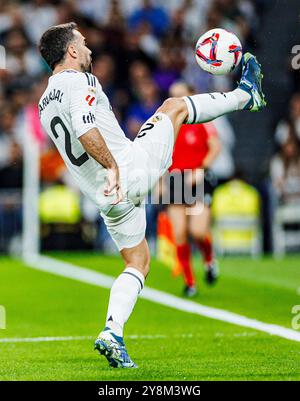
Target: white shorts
152	156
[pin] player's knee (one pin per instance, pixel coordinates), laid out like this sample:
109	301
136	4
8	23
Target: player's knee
145	264
169	103
172	104
143	267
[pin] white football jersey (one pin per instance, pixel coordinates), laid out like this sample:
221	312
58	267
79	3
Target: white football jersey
72	104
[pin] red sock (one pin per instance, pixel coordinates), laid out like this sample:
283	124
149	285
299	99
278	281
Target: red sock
184	256
206	248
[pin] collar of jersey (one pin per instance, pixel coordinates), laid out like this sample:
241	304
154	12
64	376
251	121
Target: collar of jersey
67	69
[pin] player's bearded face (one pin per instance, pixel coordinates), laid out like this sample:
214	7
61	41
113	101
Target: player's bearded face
86	60
85	54
88	65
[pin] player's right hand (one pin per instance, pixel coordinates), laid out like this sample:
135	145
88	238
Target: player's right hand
113	186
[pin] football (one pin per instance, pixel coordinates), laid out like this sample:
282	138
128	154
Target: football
218	51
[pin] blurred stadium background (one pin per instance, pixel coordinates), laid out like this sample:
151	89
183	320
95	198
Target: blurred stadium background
140	47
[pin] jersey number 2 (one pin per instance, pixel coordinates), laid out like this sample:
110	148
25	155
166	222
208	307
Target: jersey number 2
143	131
77	161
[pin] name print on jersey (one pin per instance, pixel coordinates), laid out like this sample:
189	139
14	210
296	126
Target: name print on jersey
55	94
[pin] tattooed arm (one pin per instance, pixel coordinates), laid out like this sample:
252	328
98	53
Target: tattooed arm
95	146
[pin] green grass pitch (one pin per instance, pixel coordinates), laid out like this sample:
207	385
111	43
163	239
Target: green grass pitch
186	347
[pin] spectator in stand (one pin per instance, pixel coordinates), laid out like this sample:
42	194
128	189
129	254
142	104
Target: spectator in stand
10	15
283	128
156	17
148	42
285	170
21	57
100	10
132	52
234	18
38	15
139	71
166	73
11	151
97	10
115	17
188	17
104	70
295	113
145	107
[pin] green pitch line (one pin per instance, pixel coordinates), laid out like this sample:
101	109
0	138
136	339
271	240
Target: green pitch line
43	305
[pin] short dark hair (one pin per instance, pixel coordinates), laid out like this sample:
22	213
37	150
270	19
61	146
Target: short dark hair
55	41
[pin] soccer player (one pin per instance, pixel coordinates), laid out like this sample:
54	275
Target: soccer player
196	147
113	171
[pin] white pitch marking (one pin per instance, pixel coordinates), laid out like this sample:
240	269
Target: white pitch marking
88	276
80	338
130	336
43	339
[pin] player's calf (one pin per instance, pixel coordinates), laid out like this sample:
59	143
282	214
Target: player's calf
138	256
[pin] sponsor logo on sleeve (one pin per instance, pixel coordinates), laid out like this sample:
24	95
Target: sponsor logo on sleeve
88	118
90	100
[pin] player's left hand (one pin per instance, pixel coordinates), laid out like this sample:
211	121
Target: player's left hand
113	186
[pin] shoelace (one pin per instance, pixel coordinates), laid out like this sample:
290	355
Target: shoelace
124	355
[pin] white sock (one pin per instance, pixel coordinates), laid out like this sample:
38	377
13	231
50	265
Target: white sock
208	106
123	296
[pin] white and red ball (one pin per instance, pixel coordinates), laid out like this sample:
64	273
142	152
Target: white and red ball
218	51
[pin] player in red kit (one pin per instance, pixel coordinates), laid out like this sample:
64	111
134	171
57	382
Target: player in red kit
196	147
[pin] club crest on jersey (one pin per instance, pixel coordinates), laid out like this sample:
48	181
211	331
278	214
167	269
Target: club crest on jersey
90	99
157	118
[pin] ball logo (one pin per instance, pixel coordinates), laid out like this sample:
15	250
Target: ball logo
218	51
236	50
212	41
